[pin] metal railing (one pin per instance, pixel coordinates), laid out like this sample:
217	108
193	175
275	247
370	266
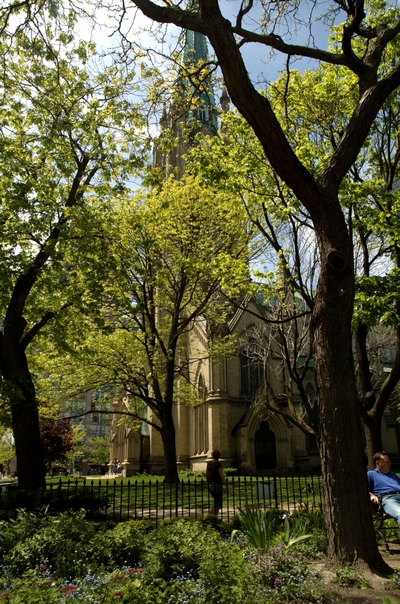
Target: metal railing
121	499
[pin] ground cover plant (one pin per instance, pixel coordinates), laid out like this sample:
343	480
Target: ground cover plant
67	557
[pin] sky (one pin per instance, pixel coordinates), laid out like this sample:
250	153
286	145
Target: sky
261	68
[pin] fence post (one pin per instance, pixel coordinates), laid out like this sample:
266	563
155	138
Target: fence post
275	491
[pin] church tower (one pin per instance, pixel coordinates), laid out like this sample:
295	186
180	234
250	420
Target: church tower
194	109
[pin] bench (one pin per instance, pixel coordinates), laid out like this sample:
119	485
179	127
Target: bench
380	518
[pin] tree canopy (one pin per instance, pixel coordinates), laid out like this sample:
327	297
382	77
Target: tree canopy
69	143
366	36
171	251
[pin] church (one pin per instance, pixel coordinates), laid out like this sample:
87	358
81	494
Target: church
233	413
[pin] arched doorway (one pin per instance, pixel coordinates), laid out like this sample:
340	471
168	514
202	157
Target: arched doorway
265	447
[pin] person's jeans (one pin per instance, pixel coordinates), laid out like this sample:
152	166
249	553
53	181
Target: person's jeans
391	505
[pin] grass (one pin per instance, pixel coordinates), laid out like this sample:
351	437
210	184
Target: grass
149	496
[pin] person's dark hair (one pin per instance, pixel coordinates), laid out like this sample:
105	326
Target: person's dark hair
216	454
378	456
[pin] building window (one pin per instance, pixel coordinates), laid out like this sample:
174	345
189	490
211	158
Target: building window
251	371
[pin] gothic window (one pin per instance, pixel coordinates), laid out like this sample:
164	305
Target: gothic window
251	372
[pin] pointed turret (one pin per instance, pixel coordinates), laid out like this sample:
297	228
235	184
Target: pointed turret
198	95
195	53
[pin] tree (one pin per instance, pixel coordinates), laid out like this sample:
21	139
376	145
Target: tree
68	144
98	450
57	440
319	102
171	251
363	38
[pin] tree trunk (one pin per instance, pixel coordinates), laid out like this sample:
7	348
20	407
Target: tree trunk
25	419
30	465
350	533
169	444
373	436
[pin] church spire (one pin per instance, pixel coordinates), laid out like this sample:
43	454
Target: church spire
195	52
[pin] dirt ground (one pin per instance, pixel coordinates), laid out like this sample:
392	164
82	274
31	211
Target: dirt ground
380	587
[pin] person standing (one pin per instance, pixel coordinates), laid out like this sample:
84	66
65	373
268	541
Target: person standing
215	479
384	486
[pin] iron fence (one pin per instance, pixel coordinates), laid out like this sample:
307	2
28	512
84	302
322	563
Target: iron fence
121	499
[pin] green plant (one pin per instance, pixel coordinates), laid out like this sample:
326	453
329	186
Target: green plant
122	545
231	472
289	538
312	548
239	584
395	580
308	520
32	588
59	542
348	576
387	600
286	577
177	548
258	526
55	500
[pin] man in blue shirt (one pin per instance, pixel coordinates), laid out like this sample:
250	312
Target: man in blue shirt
384	486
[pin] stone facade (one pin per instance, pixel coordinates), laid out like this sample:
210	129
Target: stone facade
249	436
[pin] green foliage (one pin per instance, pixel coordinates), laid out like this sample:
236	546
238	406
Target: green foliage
231	471
289	536
54	500
169	251
7	445
308	519
395	580
33	588
348	576
195	559
98	449
287	577
60	543
262	527
68	558
258	525
238	585
120	546
224	528
178	547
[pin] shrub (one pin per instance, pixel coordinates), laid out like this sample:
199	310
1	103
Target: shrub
53	500
226	577
60	543
122	545
177	547
24	526
189	562
312	548
224	528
